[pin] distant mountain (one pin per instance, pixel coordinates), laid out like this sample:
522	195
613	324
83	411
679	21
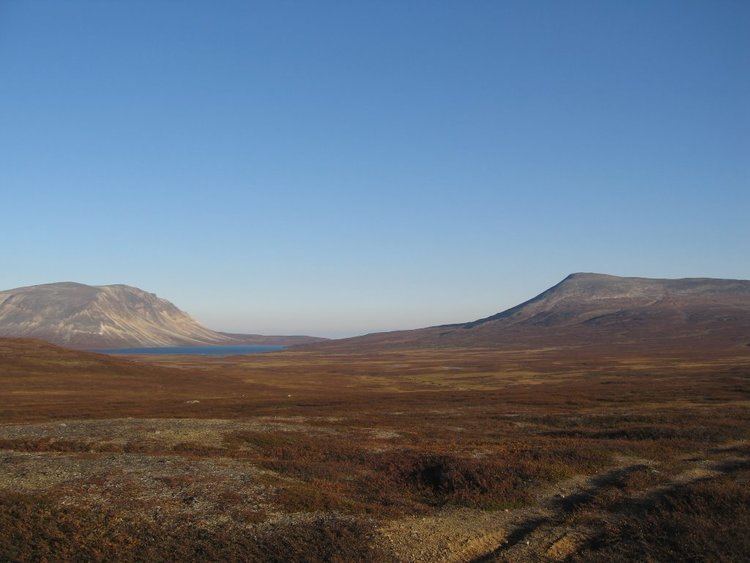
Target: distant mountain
272	340
109	316
596	309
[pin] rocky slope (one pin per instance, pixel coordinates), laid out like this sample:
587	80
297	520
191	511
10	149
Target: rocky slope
597	309
110	316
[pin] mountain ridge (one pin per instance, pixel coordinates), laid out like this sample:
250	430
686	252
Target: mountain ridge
587	308
109	316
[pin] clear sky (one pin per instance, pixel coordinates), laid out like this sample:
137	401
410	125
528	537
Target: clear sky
335	168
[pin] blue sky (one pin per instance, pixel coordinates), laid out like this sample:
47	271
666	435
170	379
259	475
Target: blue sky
336	168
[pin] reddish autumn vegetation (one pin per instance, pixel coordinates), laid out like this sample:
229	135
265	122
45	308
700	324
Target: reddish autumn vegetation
411	455
703	520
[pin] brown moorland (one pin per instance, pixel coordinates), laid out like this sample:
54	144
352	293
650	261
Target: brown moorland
446	454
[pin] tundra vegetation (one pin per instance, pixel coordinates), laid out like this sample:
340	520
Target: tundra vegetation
441	454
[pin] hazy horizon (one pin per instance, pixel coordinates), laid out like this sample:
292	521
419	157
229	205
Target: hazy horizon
338	169
354	331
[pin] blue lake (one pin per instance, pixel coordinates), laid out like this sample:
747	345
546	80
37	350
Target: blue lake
196	350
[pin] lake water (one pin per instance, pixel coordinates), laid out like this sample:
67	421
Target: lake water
196	350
